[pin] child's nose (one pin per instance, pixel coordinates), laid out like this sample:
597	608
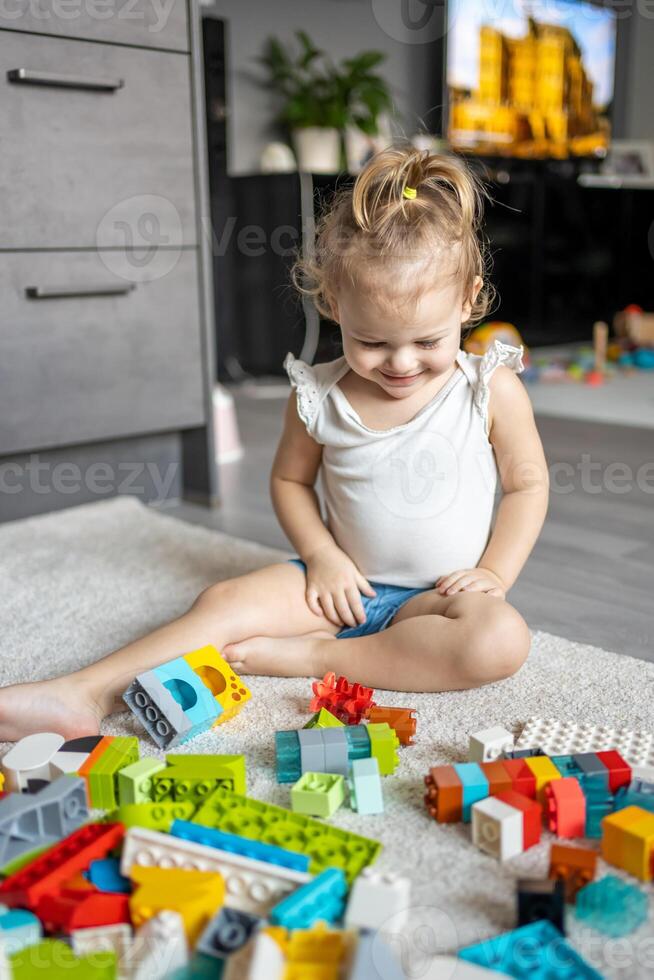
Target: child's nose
401	363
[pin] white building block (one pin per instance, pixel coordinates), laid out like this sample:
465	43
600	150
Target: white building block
377	899
111	938
63	763
251	886
30	759
568	738
268	960
487	746
497	828
159	948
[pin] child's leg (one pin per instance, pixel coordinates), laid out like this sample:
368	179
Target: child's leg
270	600
434	643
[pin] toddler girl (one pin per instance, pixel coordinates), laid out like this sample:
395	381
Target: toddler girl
410	435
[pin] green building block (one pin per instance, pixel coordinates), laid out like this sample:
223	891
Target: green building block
318	794
324	719
135	781
383	747
153	816
56	961
193	777
102	780
326	846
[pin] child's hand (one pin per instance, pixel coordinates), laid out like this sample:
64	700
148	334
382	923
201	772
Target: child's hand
471	580
334	584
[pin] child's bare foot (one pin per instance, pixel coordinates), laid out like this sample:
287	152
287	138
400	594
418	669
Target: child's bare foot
58	705
275	656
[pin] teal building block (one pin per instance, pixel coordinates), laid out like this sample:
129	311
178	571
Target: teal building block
639	793
358	742
611	906
287	757
191	693
322	899
365	786
566	766
536	951
475	786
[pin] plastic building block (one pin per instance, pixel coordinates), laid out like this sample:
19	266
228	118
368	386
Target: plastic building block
594	774
401	720
159	948
57	961
50	870
524	781
348	702
323	899
28	821
94	756
383	747
18	928
497	828
538	900
153	816
475	786
531	815
75	907
268	960
596	809
229	691
559	737
612	906
85	743
335	744
287	757
499	780
103	775
638	793
63	762
544	771
196	895
535	950
226	933
444	796
371	951
326	846
365	786
324	719
627	841
105	875
565	807
318	794
619	769
253	886
376	898
30	759
190	692
490	744
135	781
116	939
574	866
358	742
193	777
312	750
240	845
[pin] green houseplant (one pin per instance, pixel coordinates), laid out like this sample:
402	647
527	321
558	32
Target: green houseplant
321	99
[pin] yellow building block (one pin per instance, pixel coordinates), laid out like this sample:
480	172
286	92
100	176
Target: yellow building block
613	831
638	846
227	687
317	953
196	895
544	771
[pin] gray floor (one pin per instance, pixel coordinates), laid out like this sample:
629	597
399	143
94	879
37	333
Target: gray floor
591	574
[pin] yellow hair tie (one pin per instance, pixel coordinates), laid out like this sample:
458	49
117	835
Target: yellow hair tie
409	192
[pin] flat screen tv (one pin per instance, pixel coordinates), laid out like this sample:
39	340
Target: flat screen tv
530	79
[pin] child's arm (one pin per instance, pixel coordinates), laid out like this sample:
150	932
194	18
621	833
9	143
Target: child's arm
333	580
525	485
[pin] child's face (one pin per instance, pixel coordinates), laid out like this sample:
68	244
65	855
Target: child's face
402	357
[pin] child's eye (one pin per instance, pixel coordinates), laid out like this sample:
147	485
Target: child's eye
370	344
429	344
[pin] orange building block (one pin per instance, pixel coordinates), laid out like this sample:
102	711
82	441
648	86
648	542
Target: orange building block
565	807
226	686
544	772
575	866
523	779
499	781
444	796
401	720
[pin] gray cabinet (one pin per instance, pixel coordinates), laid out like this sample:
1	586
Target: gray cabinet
105	305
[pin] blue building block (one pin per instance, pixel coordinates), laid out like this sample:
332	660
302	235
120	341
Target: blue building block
566	766
227	932
336	750
596	809
287	757
322	898
358	742
18	929
312	749
365	787
191	693
474	783
611	906
639	793
105	875
240	845
537	951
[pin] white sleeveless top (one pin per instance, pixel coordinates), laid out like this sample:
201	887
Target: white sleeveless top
413	502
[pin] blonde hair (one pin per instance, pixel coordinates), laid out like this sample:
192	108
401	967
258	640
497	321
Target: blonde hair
394	246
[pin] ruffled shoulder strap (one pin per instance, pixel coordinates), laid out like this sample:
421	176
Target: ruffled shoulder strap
311	384
498	353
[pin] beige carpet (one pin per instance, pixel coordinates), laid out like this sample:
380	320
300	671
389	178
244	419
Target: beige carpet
76	584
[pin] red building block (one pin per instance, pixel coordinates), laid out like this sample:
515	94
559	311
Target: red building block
532	814
401	720
499	780
444	796
565	807
68	910
524	781
619	770
348	702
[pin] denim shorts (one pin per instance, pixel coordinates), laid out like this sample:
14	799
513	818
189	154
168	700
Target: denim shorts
379	609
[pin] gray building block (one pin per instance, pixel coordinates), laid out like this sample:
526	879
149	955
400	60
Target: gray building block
157	710
336	750
312	750
28	821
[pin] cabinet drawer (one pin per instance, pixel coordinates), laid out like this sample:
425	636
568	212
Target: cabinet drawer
92	166
80	368
151	23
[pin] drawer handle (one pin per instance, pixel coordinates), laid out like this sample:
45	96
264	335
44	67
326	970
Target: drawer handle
61	292
26	76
